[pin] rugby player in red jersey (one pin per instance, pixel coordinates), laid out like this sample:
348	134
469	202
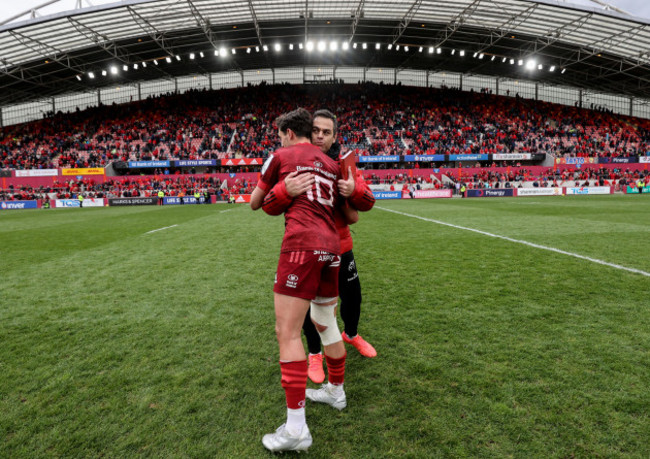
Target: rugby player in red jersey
307	274
360	197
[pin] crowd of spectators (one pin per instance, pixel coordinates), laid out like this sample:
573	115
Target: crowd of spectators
132	188
373	119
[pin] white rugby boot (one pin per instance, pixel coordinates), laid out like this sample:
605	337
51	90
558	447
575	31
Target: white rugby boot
282	440
326	394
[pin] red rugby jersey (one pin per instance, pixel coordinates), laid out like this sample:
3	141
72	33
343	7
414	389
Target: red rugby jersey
309	221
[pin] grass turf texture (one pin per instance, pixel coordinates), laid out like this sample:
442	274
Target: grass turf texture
118	343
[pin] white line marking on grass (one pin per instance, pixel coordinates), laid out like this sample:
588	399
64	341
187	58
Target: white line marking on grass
518	241
160	229
227	210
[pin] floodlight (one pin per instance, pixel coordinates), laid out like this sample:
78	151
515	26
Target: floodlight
310	46
430	49
530	65
462	53
377	45
155	62
222	52
234	51
453	51
91	75
520	62
169	60
300	46
144	65
334	46
201	54
552	69
390	46
125	68
406	49
114	70
178	58
103	72
365	46
345	46
480	56
397	48
354	45
277	47
191	55
321	46
248	50
291	46
475	54
439	50
420	50
562	72
78	77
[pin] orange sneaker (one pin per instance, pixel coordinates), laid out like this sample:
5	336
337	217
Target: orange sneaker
363	346
315	368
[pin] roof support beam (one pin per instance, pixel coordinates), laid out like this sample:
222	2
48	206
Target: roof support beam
456	23
150	30
406	20
357	15
255	23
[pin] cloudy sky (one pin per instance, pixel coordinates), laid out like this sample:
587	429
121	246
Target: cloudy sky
11	8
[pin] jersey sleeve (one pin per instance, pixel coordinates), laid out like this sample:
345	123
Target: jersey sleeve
270	173
277	200
362	198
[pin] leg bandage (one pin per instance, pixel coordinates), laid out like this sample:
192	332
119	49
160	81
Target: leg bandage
325	320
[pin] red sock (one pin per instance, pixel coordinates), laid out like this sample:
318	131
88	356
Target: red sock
294	382
335	370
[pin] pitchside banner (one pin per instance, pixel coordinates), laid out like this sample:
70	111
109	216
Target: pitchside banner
88	202
86	171
644	159
618	160
635	190
175	200
197	162
427	194
555	191
578	160
8	205
139	164
427	158
242	198
38	173
387	194
590	190
511	156
380	159
490	193
470	157
132	201
242	162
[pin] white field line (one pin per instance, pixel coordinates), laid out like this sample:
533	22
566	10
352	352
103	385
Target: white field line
160	229
530	244
227	210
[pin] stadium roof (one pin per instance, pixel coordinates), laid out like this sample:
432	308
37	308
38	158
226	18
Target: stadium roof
589	48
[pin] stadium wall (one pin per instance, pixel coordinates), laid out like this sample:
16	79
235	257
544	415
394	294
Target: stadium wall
119	94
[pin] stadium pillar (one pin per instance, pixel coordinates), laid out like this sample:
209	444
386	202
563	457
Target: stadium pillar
395	76
241	74
53	105
1	121
427	76
273	73
175	85
580	98
139	91
210	81
631	106
536	91
497	88
460	79
99	98
364	74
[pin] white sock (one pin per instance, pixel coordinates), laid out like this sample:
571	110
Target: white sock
295	420
335	389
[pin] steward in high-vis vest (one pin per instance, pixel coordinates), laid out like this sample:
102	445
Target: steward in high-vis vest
161	196
81	199
640	184
197	196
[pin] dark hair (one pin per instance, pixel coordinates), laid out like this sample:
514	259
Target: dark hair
299	121
323	113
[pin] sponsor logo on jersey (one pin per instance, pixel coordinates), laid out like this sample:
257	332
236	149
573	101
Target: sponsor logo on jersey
318	164
292	281
267	163
351	266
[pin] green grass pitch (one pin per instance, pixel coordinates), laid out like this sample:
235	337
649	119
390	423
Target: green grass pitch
118	342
